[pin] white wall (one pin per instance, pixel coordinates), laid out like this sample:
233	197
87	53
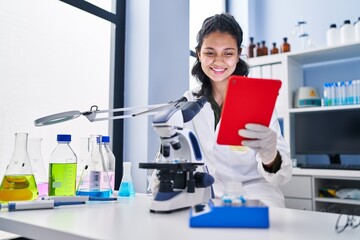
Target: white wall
156	71
271	20
53	58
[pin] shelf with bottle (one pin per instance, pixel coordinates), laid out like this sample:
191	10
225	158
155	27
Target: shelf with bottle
326	54
322	108
312	56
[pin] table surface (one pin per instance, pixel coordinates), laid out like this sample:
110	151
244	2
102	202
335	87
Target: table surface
131	219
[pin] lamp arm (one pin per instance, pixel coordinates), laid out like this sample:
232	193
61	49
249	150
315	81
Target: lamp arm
142	110
91	115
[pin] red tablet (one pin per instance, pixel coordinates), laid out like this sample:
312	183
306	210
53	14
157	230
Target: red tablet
248	100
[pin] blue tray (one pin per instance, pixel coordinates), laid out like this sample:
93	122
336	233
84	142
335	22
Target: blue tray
213	214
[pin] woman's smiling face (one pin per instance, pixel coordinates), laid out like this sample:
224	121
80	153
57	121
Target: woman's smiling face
219	55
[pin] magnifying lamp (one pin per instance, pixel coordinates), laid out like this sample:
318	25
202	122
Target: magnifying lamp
92	114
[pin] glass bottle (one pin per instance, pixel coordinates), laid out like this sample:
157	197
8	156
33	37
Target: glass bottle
94	181
251	48
84	155
18	183
264	49
109	160
257	50
126	187
38	167
274	50
285	47
62	168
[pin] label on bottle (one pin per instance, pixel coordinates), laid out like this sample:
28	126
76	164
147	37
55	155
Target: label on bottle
95	177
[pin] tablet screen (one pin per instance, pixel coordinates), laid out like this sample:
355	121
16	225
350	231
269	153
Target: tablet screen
247	100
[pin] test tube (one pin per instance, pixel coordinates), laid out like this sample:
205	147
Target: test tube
343	95
332	94
357	91
350	92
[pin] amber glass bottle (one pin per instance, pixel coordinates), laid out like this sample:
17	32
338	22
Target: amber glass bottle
257	50
285	47
274	50
264	49
251	48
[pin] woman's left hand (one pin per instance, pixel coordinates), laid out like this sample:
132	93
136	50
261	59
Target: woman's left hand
262	139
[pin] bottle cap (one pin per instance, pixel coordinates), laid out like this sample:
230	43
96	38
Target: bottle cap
64	138
347	22
105	139
333	25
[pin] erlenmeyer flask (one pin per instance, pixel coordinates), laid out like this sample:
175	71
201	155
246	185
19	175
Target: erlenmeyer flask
37	165
84	155
94	181
18	183
126	187
109	160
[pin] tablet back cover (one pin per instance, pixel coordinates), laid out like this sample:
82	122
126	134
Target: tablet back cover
248	100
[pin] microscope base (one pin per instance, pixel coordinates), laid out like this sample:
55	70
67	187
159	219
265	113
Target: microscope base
182	200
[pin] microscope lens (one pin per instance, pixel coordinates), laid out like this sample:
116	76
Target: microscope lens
165	150
176	145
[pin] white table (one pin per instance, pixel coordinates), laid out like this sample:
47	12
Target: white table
131	219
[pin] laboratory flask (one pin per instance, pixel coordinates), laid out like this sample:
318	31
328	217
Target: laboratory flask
37	164
109	159
84	155
18	183
94	181
62	168
126	187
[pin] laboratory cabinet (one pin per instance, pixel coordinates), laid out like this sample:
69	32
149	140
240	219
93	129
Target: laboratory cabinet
304	188
313	67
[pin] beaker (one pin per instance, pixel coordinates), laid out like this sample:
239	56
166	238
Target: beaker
94	180
37	165
18	183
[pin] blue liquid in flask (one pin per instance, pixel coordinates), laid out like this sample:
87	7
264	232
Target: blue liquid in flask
126	189
94	193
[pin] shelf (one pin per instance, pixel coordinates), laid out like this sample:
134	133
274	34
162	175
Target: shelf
327	54
327	173
311	56
266	60
317	109
337	200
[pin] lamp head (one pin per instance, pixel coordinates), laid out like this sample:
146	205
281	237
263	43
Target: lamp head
57	118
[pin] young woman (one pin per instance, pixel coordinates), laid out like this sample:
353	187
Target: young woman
263	163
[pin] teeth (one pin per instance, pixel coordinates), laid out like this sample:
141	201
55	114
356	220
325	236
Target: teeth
218	70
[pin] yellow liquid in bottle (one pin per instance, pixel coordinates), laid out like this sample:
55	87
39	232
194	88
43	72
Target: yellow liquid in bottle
18	188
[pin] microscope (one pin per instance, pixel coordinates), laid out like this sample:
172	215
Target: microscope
183	179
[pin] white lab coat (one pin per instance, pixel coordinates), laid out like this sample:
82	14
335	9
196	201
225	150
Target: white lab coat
225	163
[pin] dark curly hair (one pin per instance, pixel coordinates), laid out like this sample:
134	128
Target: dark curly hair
224	23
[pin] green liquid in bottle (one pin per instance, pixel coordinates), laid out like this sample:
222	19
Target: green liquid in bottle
18	188
62	179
